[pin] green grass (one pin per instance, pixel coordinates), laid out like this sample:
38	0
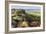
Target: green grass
36	13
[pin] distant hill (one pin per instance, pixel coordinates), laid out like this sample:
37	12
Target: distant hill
33	12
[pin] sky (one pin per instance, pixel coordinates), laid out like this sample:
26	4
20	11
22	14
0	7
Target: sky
26	7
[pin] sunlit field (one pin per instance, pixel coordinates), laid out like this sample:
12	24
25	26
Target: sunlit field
25	18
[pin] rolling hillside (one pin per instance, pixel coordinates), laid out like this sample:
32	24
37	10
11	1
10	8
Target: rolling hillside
33	12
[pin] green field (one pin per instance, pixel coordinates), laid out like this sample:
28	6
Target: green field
34	12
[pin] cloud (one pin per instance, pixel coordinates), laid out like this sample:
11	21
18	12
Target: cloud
26	7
